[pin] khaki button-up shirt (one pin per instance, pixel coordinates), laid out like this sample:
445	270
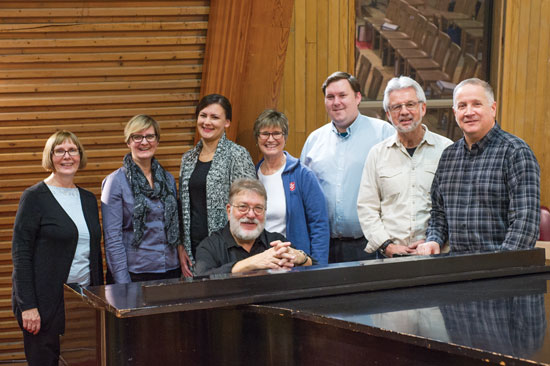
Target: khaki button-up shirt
394	196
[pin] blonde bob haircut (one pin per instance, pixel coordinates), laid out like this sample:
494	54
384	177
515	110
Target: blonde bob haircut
57	139
139	123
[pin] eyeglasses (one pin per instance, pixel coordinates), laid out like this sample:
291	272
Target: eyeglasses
139	138
265	135
244	209
60	152
409	105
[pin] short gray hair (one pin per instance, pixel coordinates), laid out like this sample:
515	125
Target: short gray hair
271	118
399	83
475	81
246	184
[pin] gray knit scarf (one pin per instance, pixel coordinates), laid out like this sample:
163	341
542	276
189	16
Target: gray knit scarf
162	190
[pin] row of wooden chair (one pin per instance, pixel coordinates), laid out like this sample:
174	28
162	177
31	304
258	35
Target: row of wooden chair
467	19
362	72
416	29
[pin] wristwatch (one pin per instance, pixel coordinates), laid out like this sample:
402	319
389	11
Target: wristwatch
382	248
305	256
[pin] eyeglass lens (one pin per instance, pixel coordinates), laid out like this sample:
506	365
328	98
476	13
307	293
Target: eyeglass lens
258	210
408	105
276	135
60	152
139	138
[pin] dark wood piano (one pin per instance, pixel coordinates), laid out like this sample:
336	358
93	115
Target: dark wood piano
474	309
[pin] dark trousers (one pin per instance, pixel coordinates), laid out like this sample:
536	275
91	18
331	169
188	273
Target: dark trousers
42	349
348	250
138	277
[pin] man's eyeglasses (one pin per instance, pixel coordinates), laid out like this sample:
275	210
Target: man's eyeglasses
139	138
244	209
265	135
60	152
409	105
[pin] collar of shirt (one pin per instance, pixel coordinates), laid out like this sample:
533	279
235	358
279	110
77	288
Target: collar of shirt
349	130
230	240
428	138
481	145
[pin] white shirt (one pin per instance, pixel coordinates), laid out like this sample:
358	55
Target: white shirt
394	196
69	199
275	215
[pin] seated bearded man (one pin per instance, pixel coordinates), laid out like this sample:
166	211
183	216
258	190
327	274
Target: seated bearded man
244	245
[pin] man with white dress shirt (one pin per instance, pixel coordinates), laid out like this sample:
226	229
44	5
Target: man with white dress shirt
394	202
336	153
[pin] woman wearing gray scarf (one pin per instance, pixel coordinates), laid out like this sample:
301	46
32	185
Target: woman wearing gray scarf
140	211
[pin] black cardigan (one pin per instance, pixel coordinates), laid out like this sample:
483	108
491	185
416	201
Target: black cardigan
43	248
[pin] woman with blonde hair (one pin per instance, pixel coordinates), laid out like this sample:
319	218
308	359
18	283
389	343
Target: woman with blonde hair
56	240
140	211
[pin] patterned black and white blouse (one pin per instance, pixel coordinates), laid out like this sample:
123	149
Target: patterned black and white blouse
230	162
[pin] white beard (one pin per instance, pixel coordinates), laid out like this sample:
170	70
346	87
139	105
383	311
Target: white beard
242	234
410	128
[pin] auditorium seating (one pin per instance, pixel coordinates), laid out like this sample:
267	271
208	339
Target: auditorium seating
425	77
363	71
440	52
426	50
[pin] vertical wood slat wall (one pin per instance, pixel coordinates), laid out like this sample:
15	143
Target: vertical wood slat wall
526	80
89	67
321	42
245	58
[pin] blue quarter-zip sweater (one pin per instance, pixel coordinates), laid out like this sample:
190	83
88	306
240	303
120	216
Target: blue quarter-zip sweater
307	226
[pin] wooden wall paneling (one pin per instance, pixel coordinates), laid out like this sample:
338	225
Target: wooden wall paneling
252	43
288	91
512	36
263	75
312	70
542	95
518	121
530	86
299	103
352	26
321	42
334	36
323	70
89	67
525	80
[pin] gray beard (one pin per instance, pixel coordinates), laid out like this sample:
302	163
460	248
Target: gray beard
245	235
412	127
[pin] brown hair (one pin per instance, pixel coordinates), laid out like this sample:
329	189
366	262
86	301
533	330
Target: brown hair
247	184
340	75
